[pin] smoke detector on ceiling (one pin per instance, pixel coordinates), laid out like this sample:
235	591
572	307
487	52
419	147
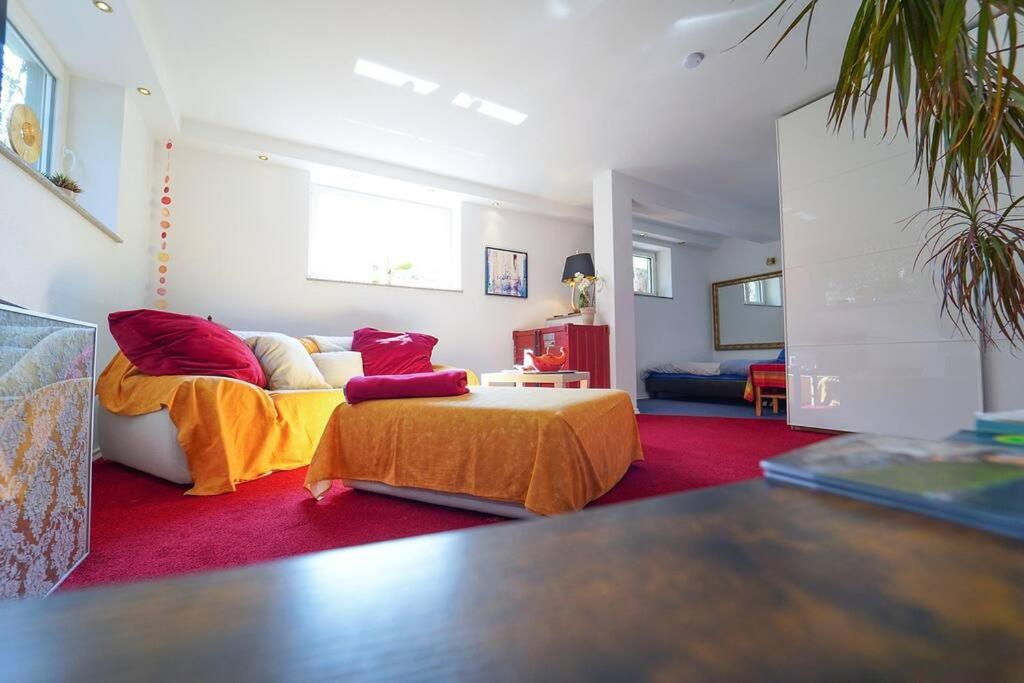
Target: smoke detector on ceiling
693	60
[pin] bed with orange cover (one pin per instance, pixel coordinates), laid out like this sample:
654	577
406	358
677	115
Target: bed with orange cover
547	451
230	431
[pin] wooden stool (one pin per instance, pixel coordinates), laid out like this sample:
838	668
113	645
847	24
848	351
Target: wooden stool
772	394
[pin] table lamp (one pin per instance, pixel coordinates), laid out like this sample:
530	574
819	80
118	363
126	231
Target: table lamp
577	263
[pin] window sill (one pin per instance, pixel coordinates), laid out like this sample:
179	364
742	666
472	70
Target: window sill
11	156
652	296
381	284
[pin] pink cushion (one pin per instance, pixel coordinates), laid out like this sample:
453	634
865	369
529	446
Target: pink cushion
393	353
162	343
419	385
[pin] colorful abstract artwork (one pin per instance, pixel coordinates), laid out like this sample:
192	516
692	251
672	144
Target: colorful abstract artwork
505	273
162	257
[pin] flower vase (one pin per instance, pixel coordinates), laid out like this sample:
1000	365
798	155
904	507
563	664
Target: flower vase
588	313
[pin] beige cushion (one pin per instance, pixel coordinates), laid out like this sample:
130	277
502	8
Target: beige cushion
286	362
338	367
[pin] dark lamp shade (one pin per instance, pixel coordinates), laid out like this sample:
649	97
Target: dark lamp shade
578	263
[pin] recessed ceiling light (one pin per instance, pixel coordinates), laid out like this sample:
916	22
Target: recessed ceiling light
263	157
693	60
144	91
487	108
102	6
384	74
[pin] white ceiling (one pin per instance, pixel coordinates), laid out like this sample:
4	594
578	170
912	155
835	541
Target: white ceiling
602	81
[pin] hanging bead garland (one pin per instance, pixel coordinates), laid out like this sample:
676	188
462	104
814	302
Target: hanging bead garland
165	224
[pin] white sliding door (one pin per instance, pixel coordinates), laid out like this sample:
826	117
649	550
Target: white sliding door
868	348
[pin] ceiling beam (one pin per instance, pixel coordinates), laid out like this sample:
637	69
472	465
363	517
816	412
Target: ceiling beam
704	214
299	154
656	230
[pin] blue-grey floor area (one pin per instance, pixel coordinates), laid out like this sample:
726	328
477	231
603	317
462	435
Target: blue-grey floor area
658	406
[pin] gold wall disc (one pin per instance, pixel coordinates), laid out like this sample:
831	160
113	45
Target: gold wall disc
25	133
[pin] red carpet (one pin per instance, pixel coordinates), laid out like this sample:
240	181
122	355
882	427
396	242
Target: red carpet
143	527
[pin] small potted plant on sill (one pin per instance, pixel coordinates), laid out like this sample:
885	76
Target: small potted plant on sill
66	184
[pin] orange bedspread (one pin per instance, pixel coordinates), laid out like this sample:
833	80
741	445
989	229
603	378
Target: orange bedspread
230	431
553	450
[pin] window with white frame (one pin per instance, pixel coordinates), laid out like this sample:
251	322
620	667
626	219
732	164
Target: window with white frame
644	275
763	292
27	80
365	238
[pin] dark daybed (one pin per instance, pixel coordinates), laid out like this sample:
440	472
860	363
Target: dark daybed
699	387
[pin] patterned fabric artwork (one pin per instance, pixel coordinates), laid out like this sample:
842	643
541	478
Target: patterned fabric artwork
46	375
163	257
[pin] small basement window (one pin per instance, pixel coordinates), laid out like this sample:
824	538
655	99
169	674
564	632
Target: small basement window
370	239
644	273
27	80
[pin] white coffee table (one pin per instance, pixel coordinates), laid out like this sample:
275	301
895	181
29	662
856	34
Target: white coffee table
521	379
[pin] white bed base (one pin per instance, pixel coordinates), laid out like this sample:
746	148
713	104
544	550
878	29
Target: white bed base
452	500
149	443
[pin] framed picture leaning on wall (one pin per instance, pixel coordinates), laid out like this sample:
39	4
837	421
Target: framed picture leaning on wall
505	273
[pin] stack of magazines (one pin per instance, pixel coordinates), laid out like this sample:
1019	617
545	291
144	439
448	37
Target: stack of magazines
967	481
1005	424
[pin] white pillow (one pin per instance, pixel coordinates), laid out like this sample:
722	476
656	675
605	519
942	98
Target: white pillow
249	334
338	367
329	344
286	362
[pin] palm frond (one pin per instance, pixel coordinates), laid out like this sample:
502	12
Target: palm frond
946	78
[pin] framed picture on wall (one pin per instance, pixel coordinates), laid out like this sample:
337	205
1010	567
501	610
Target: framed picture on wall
505	273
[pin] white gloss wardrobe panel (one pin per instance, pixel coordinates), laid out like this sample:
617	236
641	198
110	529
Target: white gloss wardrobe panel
868	347
871	298
895	389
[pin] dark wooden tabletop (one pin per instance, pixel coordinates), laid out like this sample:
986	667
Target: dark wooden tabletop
744	582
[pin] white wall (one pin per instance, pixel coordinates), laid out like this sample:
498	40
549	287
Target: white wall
238	247
96	122
53	260
860	316
676	329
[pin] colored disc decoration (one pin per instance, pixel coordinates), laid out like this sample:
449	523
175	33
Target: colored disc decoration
164	257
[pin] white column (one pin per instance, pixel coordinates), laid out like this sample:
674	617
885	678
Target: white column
613	261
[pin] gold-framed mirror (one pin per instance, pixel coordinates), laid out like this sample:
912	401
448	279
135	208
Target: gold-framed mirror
747	312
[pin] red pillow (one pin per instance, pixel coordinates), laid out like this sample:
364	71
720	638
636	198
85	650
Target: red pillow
162	343
393	353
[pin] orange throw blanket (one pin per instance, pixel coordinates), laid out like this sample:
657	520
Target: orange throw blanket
231	431
552	450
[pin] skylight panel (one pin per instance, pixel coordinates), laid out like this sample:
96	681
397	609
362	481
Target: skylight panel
488	108
384	74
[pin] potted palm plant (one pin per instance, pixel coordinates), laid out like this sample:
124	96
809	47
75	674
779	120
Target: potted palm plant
944	72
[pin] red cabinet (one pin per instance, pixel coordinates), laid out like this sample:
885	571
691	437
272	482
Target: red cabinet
587	346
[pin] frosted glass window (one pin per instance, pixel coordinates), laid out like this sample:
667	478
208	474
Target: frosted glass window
643	274
364	238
